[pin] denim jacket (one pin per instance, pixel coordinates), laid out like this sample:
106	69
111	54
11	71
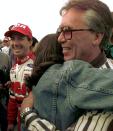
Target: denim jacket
64	90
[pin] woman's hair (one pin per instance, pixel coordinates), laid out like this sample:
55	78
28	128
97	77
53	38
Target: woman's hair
48	52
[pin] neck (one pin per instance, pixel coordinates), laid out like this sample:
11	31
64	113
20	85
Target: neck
23	59
99	60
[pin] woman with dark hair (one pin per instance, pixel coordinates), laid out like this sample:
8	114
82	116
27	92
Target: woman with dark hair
48	52
56	87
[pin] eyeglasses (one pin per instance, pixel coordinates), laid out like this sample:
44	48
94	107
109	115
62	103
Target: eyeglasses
67	32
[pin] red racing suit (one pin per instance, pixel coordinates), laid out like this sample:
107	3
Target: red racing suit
18	91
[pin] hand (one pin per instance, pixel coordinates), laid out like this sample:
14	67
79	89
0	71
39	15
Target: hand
10	127
36	126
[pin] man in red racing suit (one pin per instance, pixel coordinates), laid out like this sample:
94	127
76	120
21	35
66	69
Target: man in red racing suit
21	37
18	89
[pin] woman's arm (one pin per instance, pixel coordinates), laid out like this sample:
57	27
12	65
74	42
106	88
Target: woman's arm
31	119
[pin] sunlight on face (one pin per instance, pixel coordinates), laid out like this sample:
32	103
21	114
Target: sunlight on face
49	19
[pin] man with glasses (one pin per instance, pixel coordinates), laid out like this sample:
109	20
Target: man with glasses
83	33
21	37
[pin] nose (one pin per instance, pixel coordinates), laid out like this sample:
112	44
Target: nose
16	39
15	42
61	38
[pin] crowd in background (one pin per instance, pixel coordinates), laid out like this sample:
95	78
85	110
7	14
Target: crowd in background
24	58
8	60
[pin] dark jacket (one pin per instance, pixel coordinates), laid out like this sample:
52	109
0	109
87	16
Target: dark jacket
4	73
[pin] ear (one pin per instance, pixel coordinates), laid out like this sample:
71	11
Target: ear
98	38
30	43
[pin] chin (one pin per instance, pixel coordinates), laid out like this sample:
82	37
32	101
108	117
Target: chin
67	58
19	56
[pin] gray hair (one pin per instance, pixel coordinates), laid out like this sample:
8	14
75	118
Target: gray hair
97	16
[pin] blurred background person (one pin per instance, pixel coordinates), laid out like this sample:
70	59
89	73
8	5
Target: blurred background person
4	93
6	45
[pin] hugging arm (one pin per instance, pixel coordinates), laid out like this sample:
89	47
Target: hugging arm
31	118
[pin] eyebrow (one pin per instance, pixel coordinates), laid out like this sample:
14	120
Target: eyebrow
18	35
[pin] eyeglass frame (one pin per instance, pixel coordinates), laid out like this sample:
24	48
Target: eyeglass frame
65	30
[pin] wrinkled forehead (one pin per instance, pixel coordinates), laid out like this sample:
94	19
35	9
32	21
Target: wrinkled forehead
73	18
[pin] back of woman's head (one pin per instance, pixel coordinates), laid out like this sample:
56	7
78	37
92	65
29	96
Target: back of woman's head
48	52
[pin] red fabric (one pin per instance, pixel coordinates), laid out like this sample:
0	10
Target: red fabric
19	121
12	111
13	108
30	55
21	28
18	88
